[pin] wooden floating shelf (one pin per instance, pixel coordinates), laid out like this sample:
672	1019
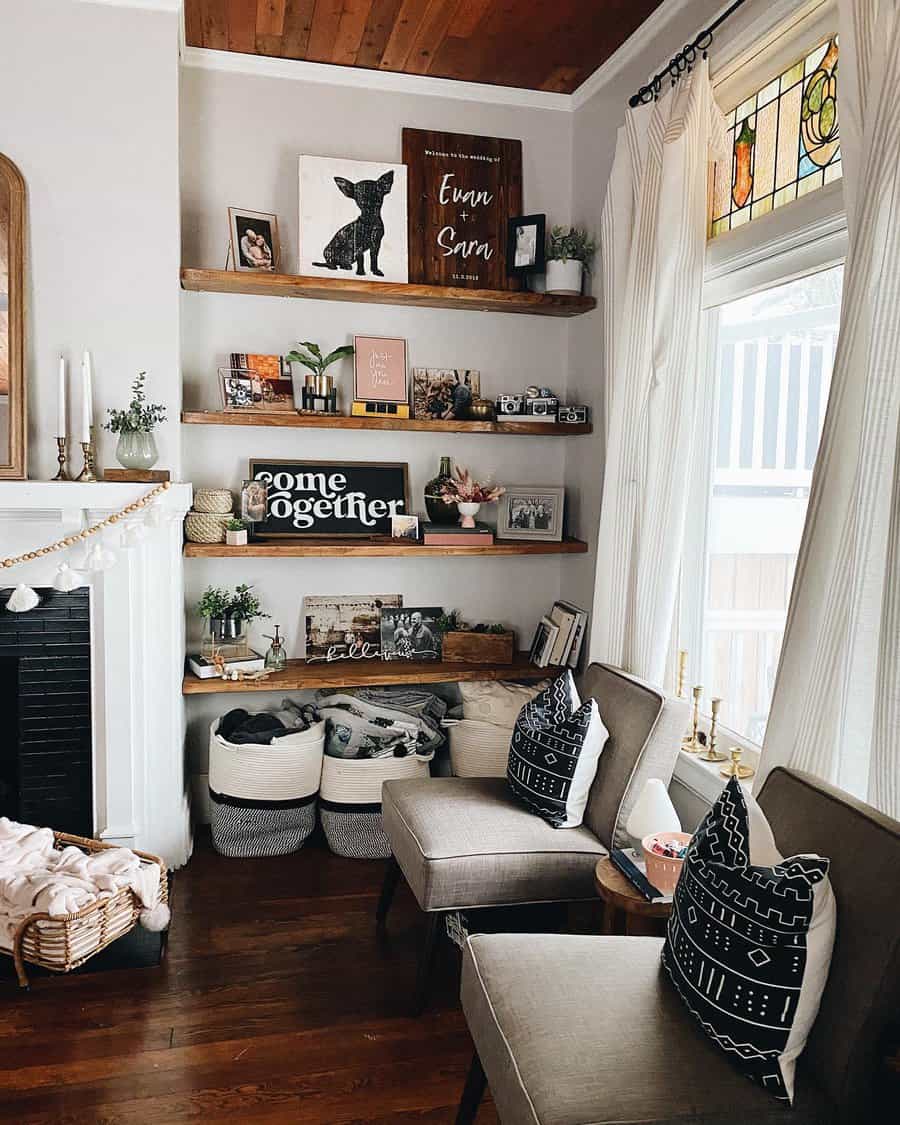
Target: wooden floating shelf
384	293
345	422
370	673
377	547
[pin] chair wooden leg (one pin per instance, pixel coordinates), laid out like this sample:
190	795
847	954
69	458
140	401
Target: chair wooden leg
433	922
391	879
473	1092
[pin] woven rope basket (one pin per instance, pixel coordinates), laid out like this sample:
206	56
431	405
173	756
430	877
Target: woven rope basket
478	749
288	767
62	944
201	527
216	501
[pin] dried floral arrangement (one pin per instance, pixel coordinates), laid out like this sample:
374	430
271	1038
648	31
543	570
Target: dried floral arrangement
463	488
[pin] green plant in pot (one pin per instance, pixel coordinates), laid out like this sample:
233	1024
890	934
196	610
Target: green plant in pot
229	612
318	386
570	251
136	447
236	533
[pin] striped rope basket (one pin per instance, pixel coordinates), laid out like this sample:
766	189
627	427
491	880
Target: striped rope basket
63	944
478	749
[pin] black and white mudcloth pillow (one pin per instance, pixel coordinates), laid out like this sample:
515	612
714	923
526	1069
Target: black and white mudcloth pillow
749	945
554	751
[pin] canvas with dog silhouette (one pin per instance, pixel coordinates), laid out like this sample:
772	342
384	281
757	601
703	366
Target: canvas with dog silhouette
353	219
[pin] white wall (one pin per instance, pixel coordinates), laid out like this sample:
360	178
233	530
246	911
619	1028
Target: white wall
90	115
241	135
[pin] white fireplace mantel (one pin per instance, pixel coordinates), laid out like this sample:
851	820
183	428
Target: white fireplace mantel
137	635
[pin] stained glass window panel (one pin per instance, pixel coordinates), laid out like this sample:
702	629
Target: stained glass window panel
784	142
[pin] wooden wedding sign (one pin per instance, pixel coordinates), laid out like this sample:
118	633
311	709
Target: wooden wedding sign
462	191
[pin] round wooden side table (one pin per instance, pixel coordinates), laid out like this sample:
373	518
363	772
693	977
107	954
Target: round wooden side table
625	910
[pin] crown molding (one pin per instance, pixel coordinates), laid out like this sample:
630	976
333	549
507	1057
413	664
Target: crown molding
378	80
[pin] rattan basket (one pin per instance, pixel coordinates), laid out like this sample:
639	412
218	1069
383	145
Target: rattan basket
62	944
213	501
203	527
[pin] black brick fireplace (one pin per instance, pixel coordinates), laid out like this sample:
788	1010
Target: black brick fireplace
45	709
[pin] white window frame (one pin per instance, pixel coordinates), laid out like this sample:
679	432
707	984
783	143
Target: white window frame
801	238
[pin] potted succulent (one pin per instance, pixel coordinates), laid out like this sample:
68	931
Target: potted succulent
236	533
570	251
469	494
228	613
475	644
136	447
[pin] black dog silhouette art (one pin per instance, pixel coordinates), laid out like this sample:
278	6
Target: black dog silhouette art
365	233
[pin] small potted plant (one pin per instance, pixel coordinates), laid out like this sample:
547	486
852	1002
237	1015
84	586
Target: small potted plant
570	251
318	392
228	613
136	447
469	494
236	533
475	644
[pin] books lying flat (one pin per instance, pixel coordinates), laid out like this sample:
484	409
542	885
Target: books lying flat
205	669
451	535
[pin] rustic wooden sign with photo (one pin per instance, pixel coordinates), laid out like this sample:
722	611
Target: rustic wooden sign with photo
462	191
331	499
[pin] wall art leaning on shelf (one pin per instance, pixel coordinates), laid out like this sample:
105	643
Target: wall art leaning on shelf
254	240
379	371
345	627
532	512
444	393
411	633
241	388
353	218
334	499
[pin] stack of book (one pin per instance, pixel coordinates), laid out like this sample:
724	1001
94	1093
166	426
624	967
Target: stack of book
452	535
205	669
559	636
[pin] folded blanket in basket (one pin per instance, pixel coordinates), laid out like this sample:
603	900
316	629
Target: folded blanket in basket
360	729
36	878
240	728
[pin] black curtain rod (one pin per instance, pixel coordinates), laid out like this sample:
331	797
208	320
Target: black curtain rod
683	61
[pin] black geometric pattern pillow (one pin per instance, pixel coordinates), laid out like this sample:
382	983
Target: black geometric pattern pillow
554	751
736	944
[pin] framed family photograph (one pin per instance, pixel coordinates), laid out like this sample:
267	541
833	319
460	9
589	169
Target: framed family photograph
241	388
254	240
254	501
345	627
535	512
274	374
379	369
525	244
444	393
411	634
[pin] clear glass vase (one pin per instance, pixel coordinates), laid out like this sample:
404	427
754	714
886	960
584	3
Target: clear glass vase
136	450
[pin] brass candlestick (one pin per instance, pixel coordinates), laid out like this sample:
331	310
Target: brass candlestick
712	754
682	667
87	473
62	458
691	742
734	767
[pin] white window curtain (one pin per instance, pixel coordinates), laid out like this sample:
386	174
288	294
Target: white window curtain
836	705
652	248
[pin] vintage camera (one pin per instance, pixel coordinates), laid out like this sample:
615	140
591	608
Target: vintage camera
574	414
542	407
510	404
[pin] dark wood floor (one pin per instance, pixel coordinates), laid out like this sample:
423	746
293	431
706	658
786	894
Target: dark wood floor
276	1003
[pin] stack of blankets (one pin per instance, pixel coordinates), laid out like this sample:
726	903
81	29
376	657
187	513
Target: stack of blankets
37	878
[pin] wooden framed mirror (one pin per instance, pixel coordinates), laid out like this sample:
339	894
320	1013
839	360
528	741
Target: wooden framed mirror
12	321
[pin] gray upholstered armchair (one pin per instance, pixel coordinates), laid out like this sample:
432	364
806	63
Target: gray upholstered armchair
465	843
573	1030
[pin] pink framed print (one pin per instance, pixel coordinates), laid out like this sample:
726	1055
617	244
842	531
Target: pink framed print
379	369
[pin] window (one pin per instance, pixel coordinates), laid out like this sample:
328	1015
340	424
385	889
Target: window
784	142
772	356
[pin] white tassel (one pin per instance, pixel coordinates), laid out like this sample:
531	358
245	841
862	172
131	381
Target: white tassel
100	558
156	919
155	514
66	579
22	599
133	534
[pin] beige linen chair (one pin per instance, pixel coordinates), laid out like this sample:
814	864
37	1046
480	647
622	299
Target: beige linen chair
466	843
574	1030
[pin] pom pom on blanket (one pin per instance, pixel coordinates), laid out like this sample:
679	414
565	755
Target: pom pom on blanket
156	919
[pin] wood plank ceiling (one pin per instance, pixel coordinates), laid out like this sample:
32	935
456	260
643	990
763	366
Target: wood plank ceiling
532	44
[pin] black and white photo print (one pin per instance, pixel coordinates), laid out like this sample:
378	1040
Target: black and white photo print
411	634
353	219
525	251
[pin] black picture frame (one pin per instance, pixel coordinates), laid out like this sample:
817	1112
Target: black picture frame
538	263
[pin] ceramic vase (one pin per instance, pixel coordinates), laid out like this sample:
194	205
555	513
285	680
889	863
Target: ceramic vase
467	513
136	450
236	538
439	510
565	277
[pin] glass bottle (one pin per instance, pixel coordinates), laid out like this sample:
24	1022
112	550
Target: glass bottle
276	658
439	510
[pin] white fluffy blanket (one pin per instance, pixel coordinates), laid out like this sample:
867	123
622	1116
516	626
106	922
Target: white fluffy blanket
36	878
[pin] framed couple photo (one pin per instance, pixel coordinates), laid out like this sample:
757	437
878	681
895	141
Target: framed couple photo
254	240
532	512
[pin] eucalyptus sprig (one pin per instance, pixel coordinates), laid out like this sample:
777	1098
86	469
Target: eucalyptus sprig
141	417
313	358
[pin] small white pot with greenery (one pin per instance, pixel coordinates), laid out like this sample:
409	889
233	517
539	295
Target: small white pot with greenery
570	251
136	448
236	533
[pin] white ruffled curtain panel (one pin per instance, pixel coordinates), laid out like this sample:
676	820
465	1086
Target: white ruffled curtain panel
836	704
652	249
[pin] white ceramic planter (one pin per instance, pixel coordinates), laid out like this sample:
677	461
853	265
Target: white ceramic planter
236	538
468	512
565	277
